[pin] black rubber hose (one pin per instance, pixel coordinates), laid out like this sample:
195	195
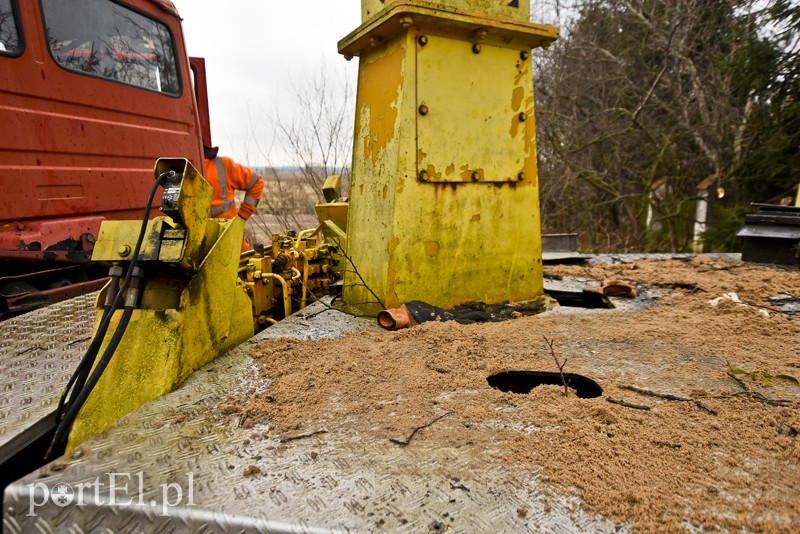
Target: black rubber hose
76	405
79	376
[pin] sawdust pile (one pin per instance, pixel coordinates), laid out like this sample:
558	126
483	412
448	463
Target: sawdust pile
730	461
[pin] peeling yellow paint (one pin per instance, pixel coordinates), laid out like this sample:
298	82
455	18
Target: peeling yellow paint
517	95
433	174
450	169
379	89
475	218
432	248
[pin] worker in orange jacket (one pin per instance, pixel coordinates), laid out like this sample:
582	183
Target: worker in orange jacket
226	177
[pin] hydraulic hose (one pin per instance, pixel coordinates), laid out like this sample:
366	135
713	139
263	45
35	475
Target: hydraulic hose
78	378
77	386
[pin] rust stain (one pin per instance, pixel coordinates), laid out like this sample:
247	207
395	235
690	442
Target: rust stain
475	218
514	129
516	98
379	89
420	156
466	173
433	174
450	169
432	248
385	191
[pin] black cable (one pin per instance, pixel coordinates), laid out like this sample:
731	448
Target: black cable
76	384
75	406
78	378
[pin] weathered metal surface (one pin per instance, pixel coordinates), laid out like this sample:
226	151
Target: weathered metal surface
83	145
38	352
486	28
479	112
338	481
423	119
162	347
520	10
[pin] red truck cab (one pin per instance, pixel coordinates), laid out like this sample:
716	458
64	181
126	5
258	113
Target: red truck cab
92	92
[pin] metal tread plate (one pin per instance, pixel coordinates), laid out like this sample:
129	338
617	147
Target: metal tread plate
38	352
336	481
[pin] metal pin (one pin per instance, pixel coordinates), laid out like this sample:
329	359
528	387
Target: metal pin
423	109
524	55
521	176
476	48
476	176
523	116
423	176
422	40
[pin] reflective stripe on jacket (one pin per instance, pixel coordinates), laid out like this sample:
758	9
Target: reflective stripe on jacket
226	177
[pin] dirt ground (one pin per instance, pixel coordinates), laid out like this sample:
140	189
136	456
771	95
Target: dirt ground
725	457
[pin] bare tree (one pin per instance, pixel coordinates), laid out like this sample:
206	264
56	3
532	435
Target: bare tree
315	134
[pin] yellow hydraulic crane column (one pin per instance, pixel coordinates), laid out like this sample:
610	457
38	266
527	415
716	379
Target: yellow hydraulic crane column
444	201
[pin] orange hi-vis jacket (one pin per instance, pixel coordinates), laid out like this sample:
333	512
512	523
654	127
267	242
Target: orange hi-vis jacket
226	177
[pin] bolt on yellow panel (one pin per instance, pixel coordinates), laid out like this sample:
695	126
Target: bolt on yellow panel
471	116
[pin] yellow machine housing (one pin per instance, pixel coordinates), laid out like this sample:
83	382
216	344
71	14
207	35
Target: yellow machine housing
192	308
200	295
444	202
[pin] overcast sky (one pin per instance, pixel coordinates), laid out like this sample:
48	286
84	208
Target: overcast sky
256	51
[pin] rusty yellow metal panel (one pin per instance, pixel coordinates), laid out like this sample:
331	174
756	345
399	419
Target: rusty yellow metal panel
162	346
519	9
192	205
479	27
384	117
116	240
444	238
471	113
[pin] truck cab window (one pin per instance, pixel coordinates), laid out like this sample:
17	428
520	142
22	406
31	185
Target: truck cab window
9	30
102	38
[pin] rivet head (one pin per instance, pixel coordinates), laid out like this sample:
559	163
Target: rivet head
422	40
406	22
124	250
476	48
476	176
523	116
374	42
524	55
423	176
521	176
423	109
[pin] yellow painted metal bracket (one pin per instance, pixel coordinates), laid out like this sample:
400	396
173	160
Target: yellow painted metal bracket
192	309
463	24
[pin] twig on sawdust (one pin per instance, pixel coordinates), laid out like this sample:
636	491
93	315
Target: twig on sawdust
628	404
303	436
665	444
404	442
667	396
559	364
746	392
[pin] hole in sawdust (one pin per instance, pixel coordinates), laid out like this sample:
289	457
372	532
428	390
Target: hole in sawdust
581	299
524	381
